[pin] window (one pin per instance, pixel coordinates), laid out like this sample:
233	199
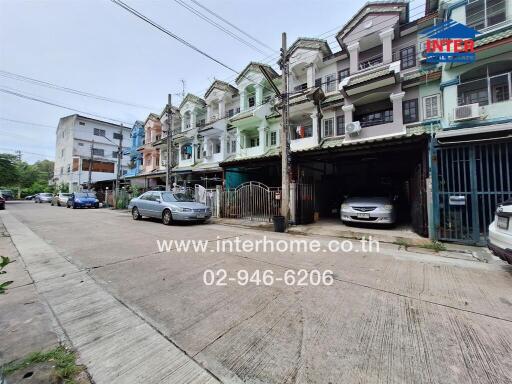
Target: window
252	101
237	109
330	82
273	138
340	125
231	112
99	132
410	111
431	107
117	136
328	127
481	14
81	123
233	146
80	144
318	83
375	118
199	151
254	142
343	73
500	88
216	148
408	57
98	152
302	130
114	154
300	87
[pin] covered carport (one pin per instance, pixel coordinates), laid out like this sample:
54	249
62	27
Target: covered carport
394	166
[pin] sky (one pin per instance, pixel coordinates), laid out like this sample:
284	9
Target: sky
97	47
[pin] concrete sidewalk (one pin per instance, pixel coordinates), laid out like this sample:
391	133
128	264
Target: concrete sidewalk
115	344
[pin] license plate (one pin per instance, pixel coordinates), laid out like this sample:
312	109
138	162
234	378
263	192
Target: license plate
502	222
200	215
363	215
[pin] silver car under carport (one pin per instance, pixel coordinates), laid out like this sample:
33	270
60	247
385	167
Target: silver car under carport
370	210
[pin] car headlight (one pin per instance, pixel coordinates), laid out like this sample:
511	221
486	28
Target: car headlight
345	206
388	207
96	201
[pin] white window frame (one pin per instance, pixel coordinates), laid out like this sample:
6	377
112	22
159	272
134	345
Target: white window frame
324	126
273	138
328	83
485	10
437	96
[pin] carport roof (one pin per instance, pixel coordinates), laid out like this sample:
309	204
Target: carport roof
272	152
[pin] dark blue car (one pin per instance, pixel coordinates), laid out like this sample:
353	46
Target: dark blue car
83	200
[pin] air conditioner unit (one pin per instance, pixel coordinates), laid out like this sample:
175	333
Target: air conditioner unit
466	112
353	128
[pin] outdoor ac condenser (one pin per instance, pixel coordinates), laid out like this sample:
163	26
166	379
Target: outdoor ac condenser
466	112
353	128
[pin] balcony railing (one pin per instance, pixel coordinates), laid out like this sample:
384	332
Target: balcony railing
375	118
370	62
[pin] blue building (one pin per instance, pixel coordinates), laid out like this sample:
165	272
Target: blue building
137	140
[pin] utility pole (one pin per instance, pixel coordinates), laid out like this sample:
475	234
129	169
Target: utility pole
285	139
119	157
168	165
90	166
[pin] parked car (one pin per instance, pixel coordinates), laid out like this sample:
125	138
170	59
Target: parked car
500	232
168	207
7	194
83	200
43	198
375	210
30	197
2	202
60	199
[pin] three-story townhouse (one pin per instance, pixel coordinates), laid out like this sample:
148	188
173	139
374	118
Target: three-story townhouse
253	152
472	157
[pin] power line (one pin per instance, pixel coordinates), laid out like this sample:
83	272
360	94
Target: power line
169	33
23	96
26	122
31	80
30	153
218	26
232	25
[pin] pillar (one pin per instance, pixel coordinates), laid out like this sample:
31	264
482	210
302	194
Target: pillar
314	121
310	75
261	133
353	52
238	141
193	119
222	108
243	101
396	99
209	112
259	95
386	37
223	146
348	110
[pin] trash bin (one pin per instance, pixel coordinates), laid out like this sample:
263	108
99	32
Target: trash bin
279	223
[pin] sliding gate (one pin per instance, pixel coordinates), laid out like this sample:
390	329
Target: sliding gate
471	181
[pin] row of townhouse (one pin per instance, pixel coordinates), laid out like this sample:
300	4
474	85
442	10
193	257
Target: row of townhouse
438	137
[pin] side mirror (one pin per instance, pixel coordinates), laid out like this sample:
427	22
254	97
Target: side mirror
158	200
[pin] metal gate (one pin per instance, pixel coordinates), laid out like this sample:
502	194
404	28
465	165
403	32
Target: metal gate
305	203
251	201
207	197
471	181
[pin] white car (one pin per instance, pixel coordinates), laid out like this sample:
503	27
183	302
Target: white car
500	232
368	210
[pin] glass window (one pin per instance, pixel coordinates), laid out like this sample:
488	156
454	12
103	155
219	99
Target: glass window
408	57
318	83
273	138
98	152
99	132
117	136
375	118
329	127
330	82
410	111
340	125
485	13
500	88
254	142
343	73
168	197
251	101
114	154
473	92
300	87
431	106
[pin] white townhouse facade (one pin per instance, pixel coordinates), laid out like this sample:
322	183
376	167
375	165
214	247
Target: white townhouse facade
77	139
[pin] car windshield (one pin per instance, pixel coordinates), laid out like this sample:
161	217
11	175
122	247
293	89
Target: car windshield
46	194
182	197
83	195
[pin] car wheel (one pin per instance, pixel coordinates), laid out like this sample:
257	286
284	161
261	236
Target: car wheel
74	206
136	214
167	217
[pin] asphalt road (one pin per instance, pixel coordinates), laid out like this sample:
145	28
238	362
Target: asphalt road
393	316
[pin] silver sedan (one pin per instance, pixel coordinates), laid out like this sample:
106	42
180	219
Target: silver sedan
376	210
168	207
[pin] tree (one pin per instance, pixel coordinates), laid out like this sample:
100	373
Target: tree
9	173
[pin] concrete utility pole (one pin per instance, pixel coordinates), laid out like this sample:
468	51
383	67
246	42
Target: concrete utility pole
119	157
168	165
90	166
285	139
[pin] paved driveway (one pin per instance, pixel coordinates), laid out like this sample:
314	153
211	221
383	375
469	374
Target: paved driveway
392	316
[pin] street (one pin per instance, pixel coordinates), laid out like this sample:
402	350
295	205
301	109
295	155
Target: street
393	316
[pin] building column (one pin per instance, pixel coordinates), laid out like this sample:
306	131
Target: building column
353	52
310	75
193	119
386	37
238	141
208	112
243	101
259	94
222	139
396	99
348	111
183	123
314	121
261	132
222	108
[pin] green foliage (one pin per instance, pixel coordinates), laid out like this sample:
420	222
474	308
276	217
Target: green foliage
3	263
435	246
64	361
29	178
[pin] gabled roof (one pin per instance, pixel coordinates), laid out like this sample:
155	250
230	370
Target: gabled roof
151	116
374	7
166	109
193	99
221	85
310	43
253	65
